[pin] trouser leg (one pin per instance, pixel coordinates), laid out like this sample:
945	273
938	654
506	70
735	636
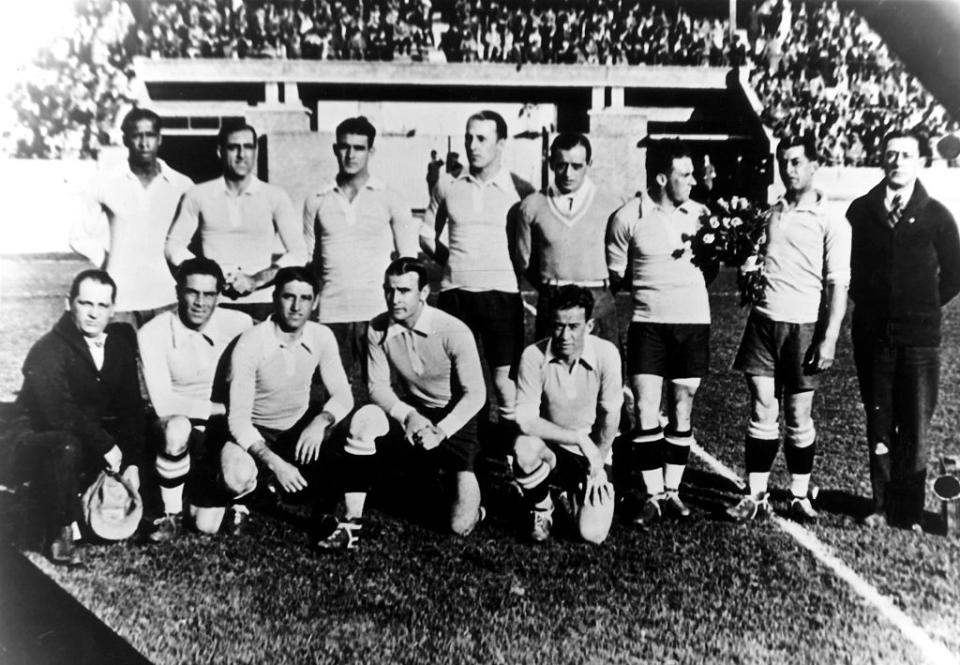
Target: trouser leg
917	381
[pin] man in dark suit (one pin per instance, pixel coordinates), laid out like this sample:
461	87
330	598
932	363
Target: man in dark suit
82	398
905	266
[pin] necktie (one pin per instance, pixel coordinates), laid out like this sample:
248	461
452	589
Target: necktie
896	210
410	340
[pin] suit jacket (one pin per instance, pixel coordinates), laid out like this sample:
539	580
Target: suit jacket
64	391
901	276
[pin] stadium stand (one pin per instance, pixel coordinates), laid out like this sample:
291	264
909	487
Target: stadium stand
816	68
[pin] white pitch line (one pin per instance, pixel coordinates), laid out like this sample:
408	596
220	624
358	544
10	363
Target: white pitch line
933	652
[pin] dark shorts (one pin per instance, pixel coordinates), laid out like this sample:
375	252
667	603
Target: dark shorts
605	322
196	444
352	343
670	350
776	349
455	454
496	319
205	486
571	469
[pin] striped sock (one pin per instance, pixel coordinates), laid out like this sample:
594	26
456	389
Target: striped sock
172	472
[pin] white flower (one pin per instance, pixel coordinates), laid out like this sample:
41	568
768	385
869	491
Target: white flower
713	223
708	238
735	222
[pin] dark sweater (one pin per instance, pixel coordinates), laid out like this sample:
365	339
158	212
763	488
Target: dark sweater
64	391
902	276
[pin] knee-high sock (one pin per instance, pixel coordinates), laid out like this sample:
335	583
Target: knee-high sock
534	484
675	455
172	471
648	457
799	450
761	449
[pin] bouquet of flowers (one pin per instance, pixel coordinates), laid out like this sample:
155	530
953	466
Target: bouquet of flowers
734	234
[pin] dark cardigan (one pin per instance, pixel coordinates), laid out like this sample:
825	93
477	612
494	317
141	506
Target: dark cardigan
902	276
64	391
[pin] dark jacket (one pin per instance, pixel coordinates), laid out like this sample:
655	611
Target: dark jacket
62	390
902	276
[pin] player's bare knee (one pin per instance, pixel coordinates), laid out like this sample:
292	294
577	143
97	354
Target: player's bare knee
240	479
528	452
366	425
176	435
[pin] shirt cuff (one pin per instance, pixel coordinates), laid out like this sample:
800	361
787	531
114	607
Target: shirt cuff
178	256
247	436
450	425
336	409
400	411
839	278
290	259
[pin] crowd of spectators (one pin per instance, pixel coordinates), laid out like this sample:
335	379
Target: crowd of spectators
311	29
815	68
822	71
566	31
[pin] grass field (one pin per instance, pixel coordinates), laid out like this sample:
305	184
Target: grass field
707	591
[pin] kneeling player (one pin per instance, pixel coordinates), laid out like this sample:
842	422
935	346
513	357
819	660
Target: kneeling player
180	352
436	364
272	425
569	394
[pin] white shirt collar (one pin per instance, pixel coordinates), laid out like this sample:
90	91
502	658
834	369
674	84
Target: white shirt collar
253	186
181	332
502	179
587	358
578	197
424	325
905	194
373	182
163	171
816	206
279	337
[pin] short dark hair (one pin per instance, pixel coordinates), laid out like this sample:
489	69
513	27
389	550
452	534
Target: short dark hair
805	141
497	119
200	265
94	275
295	274
130	120
405	264
359	125
571	296
923	146
664	152
231	126
569	141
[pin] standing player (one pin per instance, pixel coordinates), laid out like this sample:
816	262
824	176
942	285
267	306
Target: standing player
139	198
669	337
569	393
238	216
905	267
81	396
791	336
435	361
353	227
560	237
181	352
479	284
273	427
